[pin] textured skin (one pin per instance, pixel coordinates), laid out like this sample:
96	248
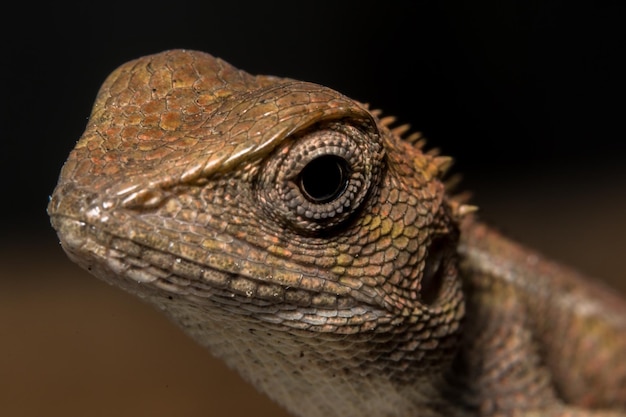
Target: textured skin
342	285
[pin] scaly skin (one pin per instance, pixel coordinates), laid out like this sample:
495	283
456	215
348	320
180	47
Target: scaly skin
287	228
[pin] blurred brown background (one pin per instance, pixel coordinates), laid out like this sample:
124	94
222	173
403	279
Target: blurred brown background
525	96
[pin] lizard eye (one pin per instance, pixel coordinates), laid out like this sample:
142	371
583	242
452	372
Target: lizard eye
324	178
320	176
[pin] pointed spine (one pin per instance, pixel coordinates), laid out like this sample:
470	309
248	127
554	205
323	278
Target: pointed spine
443	164
387	120
400	130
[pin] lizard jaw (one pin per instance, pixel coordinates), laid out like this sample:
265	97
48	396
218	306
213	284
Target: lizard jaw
149	272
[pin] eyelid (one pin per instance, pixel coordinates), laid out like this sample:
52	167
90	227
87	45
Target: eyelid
281	178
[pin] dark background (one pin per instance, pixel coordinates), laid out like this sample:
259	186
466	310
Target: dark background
526	95
506	87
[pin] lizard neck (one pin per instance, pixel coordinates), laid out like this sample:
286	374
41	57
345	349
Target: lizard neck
304	372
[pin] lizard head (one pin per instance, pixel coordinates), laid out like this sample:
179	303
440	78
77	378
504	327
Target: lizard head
276	221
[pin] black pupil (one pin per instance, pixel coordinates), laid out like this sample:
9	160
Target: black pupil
324	178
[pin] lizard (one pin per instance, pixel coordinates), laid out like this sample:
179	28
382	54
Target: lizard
317	248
